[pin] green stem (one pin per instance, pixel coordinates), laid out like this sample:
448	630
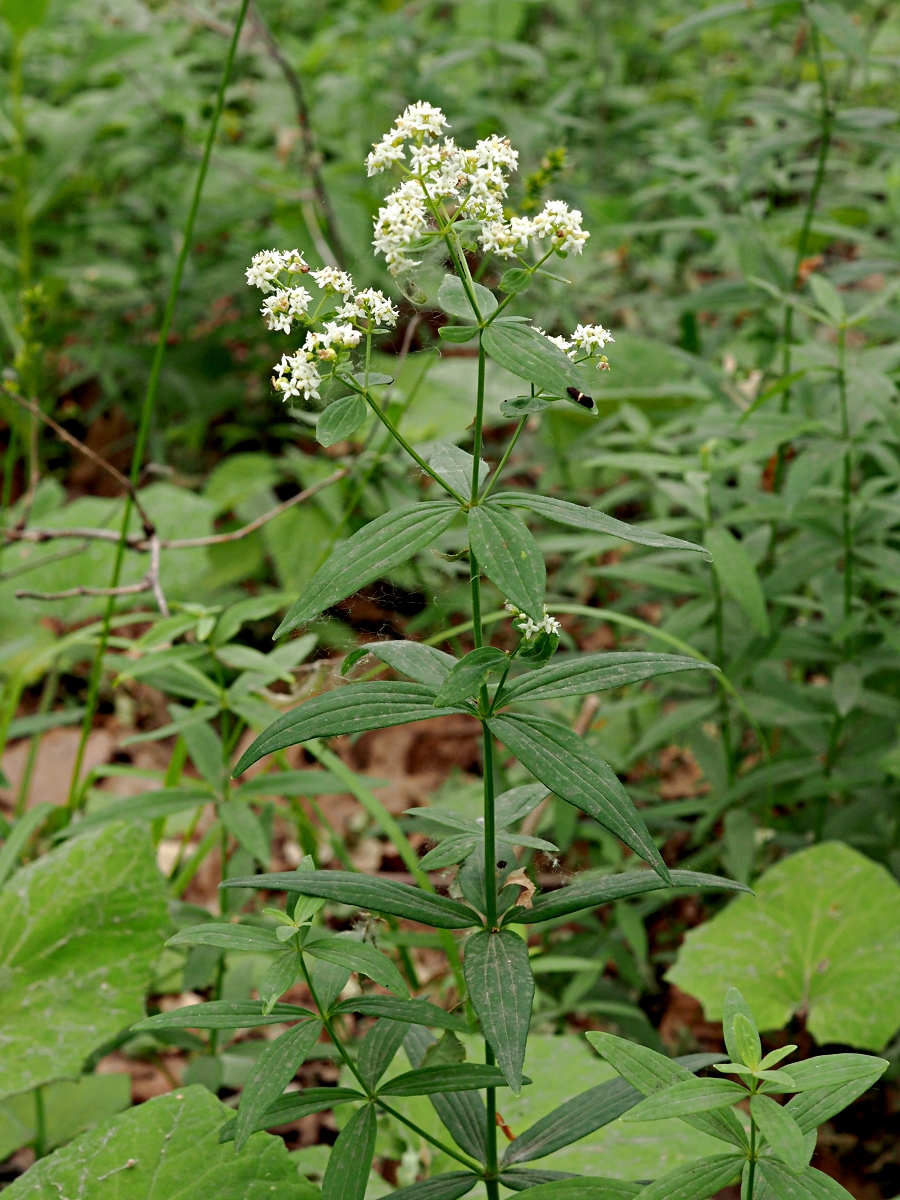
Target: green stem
414	455
846	496
479	422
751	1174
149	402
40	1124
504	460
48	695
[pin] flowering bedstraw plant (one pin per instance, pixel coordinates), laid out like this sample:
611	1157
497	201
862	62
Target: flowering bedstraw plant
453	199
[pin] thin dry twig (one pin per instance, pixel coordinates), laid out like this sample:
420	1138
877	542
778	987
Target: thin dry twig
150	583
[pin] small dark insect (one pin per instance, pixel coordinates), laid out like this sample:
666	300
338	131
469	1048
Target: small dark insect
502	863
581	398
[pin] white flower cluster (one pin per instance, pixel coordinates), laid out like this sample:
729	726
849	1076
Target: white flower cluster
555	221
298	374
528	628
585	338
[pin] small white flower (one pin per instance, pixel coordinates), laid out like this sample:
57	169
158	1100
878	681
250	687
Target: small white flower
529	628
562	225
295	263
370	305
384	154
496	152
560	341
264	269
286	304
333	280
421	120
296	374
591	337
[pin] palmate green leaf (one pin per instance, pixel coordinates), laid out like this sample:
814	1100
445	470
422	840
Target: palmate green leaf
425	664
80	930
379	895
589	893
738	576
449	1186
576	675
359	957
222	1014
577	516
455	1077
340	420
410	1012
352	708
822	933
347	1173
509	556
809	1184
272	1072
165	1148
246	828
686	1098
378	1048
501	988
698	1181
370	553
143	808
470	673
532	356
255	939
781	1131
294	1106
576	773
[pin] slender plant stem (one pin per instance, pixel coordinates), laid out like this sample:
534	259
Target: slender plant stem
40	1124
751	1174
398	436
479	422
505	459
148	405
846	492
48	695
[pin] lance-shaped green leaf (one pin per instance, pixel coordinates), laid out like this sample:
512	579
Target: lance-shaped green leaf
272	1072
288	783
347	1173
245	827
359	957
222	1014
782	1132
340	420
378	1048
813	1108
454	299
579	517
379	895
144	808
697	1181
370	553
295	1105
501	988
449	1186
410	1012
462	1113
451	850
569	1187
424	664
518	802
809	1184
734	1005
455	1077
19	835
576	675
832	1070
510	557
281	974
456	467
252	938
738	576
353	708
532	356
470	673
686	1098
591	892
577	774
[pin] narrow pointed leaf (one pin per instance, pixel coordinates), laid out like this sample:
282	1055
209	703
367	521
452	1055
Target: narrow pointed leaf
809	1184
378	895
294	1106
572	675
378	1048
510	557
733	1004
288	783
686	1098
410	1012
463	1114
372	552
831	1070
501	987
451	850
350	1162
245	827
252	938
359	957
424	664
280	975
470	673
522	1179
272	1072
222	1014
450	1186
147	807
458	1077
738	576
589	893
353	708
697	1181
782	1132
455	467
574	1187
579	517
813	1108
518	802
577	774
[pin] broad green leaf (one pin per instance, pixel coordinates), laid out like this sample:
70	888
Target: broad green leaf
579	517
23	15
782	1132
590	892
455	1077
521	406
144	808
516	279
293	1106
359	957
470	673
576	773
822	935
379	895
501	988
245	827
171	1144
425	664
340	420
19	835
532	356
272	1072
453	299
252	938
412	1012
572	675
370	553
455	467
288	783
809	1184
698	1181
449	1186
80	931
510	557
222	1014
347	1173
458	333
377	1050
686	1098
738	576
734	1004
352	708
